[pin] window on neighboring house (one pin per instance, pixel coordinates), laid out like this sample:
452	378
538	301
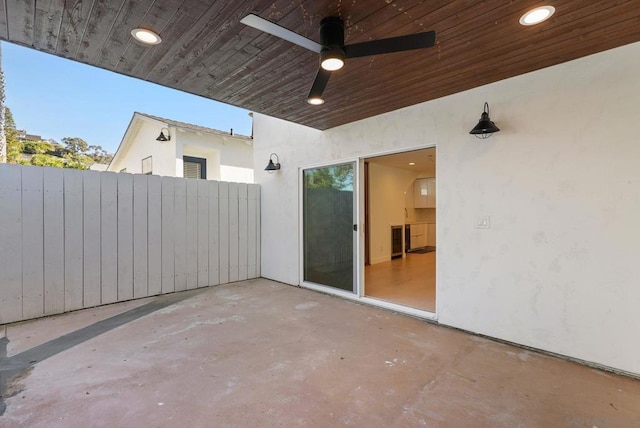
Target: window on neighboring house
194	167
147	166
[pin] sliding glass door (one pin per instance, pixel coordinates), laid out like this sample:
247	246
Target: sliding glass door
329	236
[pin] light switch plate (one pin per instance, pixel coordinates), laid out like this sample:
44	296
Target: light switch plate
483	222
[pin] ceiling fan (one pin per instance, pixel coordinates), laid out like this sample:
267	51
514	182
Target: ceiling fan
332	49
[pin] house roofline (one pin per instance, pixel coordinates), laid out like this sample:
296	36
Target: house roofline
168	123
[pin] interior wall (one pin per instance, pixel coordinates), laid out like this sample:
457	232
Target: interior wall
388	188
558	268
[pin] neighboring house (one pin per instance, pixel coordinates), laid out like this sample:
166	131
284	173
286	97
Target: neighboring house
98	167
23	137
184	150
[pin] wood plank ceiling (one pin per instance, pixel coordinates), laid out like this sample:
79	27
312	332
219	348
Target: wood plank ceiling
205	50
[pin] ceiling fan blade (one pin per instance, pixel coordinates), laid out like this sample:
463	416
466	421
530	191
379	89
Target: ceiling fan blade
276	30
393	44
322	78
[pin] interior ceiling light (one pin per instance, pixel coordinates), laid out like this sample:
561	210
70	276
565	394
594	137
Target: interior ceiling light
537	15
145	36
412	163
316	101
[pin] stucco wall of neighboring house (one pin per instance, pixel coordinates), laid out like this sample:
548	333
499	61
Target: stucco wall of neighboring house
558	269
163	153
228	159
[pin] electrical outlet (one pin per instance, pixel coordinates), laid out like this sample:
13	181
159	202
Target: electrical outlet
483	222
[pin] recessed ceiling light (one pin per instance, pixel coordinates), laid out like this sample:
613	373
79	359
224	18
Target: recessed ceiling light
537	15
412	163
316	101
145	36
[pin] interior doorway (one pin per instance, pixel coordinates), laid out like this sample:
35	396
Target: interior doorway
400	195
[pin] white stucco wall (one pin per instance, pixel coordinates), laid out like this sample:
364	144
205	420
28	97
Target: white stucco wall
559	268
163	153
228	158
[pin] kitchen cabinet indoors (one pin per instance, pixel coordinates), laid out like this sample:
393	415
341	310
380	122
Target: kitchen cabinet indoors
424	193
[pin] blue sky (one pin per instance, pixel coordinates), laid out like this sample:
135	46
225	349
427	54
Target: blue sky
56	98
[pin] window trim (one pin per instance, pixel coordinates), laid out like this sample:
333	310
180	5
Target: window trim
150	172
201	161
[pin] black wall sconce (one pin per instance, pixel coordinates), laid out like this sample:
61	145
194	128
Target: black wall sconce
485	127
271	166
162	137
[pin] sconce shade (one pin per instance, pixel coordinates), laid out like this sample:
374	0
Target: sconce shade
163	137
485	126
273	166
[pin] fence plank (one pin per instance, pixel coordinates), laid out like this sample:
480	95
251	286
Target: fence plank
258	233
251	231
233	232
53	241
32	243
109	236
243	262
140	242
11	248
154	235
73	240
192	234
125	237
223	237
168	233
92	295
214	230
203	233
181	234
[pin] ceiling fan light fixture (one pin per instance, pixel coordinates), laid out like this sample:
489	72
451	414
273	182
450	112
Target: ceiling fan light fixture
537	15
315	101
145	36
332	50
332	59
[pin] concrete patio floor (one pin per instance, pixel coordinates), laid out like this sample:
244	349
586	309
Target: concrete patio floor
260	354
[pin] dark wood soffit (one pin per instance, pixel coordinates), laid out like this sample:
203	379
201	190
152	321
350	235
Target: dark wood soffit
207	52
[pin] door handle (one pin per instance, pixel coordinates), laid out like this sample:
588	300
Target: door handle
355	227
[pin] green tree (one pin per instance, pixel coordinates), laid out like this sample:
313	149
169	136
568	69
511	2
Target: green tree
75	145
47	160
339	177
99	155
14	146
77	161
36	147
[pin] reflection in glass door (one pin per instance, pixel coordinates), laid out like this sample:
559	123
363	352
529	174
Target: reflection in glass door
328	225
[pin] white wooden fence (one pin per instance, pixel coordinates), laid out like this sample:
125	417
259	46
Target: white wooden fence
75	239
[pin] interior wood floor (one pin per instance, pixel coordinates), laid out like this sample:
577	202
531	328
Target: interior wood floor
409	281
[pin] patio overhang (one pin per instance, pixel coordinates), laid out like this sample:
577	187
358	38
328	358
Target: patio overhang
206	51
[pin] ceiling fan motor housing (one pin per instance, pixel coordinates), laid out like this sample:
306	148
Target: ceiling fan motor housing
332	38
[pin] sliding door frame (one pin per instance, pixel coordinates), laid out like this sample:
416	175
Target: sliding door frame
358	257
357	270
